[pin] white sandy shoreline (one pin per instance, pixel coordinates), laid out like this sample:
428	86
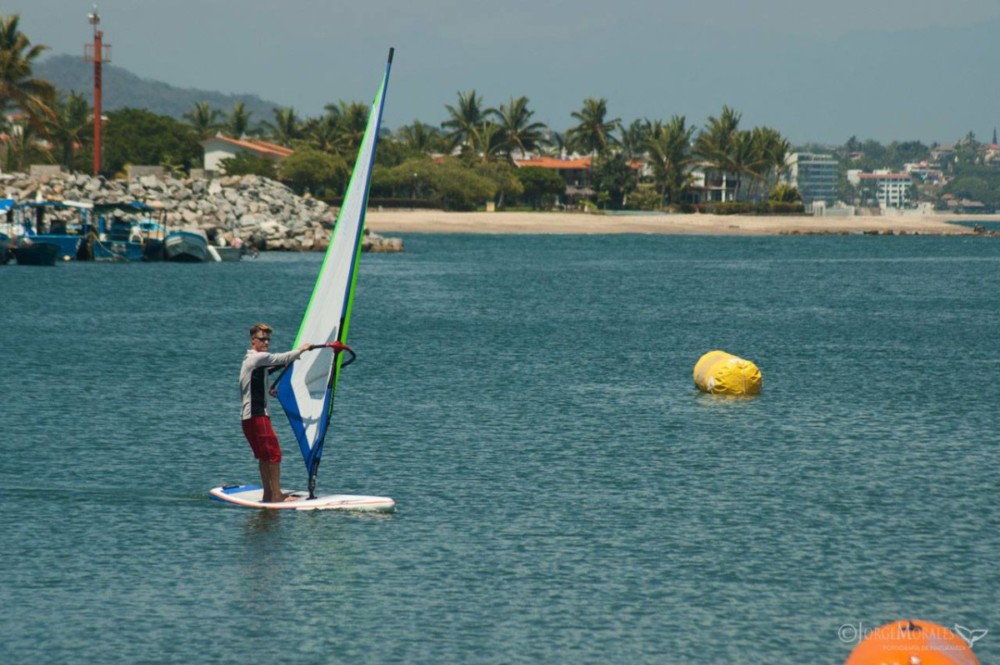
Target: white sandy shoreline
437	221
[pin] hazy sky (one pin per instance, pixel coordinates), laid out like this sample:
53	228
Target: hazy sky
814	70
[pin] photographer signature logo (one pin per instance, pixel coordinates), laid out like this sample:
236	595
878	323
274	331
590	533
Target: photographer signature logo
971	636
855	633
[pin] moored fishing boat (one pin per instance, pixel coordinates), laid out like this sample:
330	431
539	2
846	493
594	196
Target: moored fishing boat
6	245
36	253
229	253
189	246
84	231
155	233
225	253
65	224
123	237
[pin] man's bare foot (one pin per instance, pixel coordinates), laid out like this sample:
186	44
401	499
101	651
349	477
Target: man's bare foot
290	497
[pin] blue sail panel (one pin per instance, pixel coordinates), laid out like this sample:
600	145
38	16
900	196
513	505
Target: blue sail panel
309	432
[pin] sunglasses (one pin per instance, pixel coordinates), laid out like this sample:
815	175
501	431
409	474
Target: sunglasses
263	339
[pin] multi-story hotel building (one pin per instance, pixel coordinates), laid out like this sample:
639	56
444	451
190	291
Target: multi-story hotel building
891	190
814	175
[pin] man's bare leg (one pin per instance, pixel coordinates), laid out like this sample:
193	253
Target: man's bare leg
265	481
274	473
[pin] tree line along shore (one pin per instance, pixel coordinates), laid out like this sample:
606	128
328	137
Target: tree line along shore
467	162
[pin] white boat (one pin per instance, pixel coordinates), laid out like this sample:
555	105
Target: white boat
189	246
226	253
306	388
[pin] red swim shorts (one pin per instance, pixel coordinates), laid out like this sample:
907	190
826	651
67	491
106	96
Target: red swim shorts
262	438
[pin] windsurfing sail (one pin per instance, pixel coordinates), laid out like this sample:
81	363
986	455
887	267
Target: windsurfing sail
306	390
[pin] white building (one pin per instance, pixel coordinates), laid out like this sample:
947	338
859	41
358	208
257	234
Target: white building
221	147
891	190
924	171
815	176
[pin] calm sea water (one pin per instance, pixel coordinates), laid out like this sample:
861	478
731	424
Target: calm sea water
564	494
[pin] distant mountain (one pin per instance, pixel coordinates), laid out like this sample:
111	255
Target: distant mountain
123	89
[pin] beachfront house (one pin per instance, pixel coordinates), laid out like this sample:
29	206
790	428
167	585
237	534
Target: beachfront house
221	147
574	171
710	184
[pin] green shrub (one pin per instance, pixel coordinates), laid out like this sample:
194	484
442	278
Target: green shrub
540	186
314	171
785	193
247	163
645	197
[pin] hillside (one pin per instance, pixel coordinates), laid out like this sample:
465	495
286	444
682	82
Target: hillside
123	89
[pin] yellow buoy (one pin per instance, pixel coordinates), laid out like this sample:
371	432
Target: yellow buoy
722	373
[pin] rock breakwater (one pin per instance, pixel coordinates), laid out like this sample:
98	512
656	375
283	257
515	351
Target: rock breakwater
251	208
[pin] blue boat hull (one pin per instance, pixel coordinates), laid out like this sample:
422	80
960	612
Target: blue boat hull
68	245
37	254
117	251
5	249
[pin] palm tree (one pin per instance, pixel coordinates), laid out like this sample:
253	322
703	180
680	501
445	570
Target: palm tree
285	128
554	144
717	142
237	122
488	142
636	136
613	178
334	110
352	120
23	148
321	133
773	149
18	90
669	154
747	158
70	127
204	119
634	140
516	131
419	138
465	120
593	133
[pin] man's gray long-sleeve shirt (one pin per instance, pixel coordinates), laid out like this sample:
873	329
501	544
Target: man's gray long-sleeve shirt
253	379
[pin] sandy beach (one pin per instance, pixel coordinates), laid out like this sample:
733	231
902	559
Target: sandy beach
437	221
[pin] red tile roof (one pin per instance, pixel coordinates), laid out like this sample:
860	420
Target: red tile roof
581	164
254	145
885	176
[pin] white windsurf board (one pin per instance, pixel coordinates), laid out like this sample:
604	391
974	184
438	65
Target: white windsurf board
249	496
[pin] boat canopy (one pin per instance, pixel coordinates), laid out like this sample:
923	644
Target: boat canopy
130	206
83	205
